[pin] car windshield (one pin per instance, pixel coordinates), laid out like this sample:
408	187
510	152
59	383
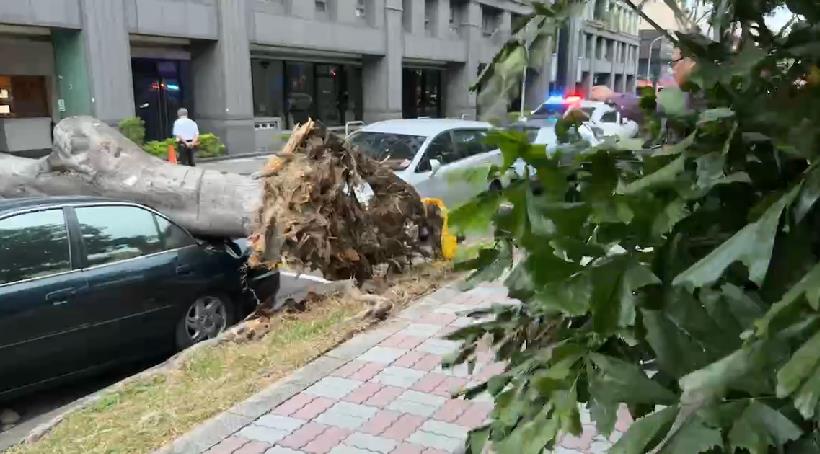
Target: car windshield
550	111
396	150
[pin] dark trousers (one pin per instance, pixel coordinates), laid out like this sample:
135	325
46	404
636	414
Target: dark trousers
186	154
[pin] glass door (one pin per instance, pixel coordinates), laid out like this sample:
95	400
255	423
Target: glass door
159	93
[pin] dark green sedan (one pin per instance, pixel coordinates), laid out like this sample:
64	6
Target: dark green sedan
87	283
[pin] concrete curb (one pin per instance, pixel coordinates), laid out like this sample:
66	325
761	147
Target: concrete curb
229	157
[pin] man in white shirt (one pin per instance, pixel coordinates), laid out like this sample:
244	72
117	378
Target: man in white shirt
187	134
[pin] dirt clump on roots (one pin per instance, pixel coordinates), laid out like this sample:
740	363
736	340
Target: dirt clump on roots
311	217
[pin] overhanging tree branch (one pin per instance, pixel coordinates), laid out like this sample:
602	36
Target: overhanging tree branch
651	22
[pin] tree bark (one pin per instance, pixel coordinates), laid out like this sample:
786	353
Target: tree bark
93	159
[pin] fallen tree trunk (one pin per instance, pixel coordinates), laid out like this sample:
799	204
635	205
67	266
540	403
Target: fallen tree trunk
300	211
91	158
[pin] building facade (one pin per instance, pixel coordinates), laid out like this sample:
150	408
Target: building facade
599	48
249	69
244	68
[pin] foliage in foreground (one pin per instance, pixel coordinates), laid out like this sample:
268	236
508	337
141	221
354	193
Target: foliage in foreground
682	280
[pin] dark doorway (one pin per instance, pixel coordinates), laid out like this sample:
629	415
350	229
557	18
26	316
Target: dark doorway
160	88
421	93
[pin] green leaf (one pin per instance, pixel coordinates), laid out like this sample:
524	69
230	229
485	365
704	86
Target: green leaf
489	265
712	382
620	381
604	413
531	436
808	285
801	364
807	398
676	352
759	427
713	115
476	215
752	245
808	195
692	438
477	441
672	101
674	212
665	176
641	434
570	297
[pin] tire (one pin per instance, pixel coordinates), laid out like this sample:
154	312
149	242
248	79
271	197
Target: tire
216	313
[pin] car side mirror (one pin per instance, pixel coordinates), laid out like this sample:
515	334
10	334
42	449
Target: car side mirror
435	165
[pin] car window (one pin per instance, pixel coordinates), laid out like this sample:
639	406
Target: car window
33	245
610	116
555	111
397	150
173	236
440	148
470	142
115	233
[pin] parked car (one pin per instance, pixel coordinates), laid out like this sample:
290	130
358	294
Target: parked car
430	153
86	283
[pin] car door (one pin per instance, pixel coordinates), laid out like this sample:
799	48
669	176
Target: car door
42	328
131	273
452	182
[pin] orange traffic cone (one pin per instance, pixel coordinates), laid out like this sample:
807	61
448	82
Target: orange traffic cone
172	154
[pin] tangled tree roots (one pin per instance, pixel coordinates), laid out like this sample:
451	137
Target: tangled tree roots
312	219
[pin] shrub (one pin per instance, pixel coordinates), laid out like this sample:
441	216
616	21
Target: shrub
210	146
158	148
134	129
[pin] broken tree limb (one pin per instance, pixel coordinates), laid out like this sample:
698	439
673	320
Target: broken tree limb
93	159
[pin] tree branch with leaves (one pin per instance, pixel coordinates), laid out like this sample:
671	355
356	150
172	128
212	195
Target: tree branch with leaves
682	281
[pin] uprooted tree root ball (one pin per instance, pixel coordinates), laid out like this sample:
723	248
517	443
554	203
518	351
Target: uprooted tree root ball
312	219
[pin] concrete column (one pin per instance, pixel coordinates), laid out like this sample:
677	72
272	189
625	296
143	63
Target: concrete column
443	22
570	56
108	56
301	8
222	80
614	56
505	28
459	100
593	61
538	82
414	16
381	75
345	10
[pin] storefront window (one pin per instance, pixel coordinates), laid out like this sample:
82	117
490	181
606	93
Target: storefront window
23	97
422	93
295	91
268	88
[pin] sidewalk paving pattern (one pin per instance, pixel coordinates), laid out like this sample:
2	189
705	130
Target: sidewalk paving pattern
381	392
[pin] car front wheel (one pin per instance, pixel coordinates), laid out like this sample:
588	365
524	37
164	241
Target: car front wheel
207	317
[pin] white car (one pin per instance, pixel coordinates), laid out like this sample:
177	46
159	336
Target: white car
608	118
431	154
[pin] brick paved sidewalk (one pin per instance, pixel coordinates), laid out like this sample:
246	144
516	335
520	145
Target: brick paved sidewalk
381	392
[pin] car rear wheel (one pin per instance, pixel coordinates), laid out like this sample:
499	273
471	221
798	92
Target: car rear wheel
207	317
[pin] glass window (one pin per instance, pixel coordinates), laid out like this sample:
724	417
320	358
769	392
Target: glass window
469	142
299	80
33	245
115	233
268	88
173	236
23	97
610	117
396	150
440	148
